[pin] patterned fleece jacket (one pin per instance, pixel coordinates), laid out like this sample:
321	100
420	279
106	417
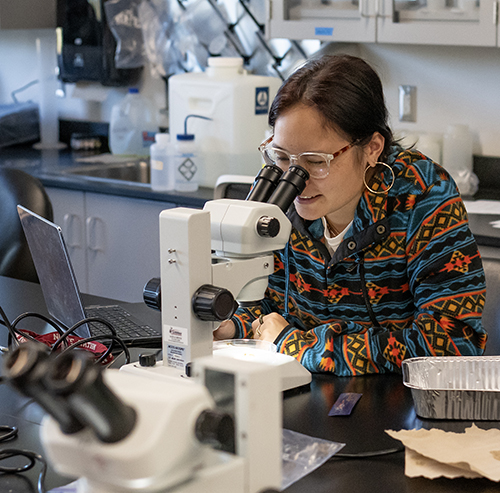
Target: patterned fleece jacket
406	281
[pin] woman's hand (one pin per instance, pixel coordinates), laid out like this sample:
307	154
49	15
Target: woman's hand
225	330
270	328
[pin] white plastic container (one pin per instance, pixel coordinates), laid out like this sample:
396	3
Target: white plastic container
132	125
430	145
458	158
162	163
238	104
457	148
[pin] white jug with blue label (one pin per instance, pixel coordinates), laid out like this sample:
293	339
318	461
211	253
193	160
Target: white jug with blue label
238	105
133	125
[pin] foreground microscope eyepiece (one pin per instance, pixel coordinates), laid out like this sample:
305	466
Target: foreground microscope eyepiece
74	377
25	369
71	389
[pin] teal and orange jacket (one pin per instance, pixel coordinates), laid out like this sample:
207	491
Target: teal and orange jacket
406	281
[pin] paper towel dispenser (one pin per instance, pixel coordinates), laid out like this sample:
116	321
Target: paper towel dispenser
86	47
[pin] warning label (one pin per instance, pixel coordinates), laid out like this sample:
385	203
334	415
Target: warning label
176	357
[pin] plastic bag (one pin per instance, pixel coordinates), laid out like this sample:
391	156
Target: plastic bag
157	22
123	21
180	40
303	454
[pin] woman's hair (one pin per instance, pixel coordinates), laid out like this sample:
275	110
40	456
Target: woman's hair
345	90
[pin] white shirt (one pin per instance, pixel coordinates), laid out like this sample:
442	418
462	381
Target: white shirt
332	242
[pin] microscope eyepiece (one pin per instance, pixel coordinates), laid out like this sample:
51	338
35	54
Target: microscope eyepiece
75	378
291	184
265	183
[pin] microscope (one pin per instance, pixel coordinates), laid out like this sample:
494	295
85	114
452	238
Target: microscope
118	432
152	429
216	259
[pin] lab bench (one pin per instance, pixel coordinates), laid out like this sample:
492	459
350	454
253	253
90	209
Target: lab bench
385	404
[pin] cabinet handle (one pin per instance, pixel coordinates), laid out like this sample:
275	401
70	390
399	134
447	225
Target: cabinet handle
95	240
387	8
72	230
495	13
361	8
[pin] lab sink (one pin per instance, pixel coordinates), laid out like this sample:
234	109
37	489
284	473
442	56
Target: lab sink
131	171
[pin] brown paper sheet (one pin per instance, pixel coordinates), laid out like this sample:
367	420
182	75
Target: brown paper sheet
435	453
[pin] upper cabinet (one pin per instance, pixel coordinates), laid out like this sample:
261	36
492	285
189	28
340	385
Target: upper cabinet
439	22
27	14
327	20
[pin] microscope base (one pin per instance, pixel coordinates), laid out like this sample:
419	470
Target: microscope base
222	473
292	373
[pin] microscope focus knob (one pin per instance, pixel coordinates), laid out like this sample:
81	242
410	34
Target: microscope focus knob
211	303
268	226
151	293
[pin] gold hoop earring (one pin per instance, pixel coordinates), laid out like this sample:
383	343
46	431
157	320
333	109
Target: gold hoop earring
383	191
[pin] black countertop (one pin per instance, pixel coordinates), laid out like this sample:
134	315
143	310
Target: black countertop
386	403
52	166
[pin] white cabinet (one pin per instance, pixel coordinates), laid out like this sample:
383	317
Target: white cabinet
327	20
436	22
113	241
440	22
69	213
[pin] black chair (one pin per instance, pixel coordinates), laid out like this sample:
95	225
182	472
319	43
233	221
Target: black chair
18	187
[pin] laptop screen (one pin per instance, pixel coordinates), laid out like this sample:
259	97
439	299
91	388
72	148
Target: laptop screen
53	266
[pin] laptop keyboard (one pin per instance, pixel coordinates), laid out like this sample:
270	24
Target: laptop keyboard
126	327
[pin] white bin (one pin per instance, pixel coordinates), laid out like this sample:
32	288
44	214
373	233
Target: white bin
238	104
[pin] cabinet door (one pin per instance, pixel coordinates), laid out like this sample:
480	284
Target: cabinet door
327	20
440	22
27	14
123	245
69	214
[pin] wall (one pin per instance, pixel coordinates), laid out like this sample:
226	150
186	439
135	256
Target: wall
454	84
18	66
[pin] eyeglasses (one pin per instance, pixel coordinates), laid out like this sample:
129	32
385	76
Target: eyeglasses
317	164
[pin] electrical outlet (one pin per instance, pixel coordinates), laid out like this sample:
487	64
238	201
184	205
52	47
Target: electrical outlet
407	103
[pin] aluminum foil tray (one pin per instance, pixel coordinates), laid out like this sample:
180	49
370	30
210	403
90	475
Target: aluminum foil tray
455	387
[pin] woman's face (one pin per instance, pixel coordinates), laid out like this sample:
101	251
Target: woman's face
300	129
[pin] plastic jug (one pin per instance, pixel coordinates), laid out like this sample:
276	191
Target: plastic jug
238	104
132	126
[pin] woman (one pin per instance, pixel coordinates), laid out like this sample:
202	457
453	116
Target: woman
381	264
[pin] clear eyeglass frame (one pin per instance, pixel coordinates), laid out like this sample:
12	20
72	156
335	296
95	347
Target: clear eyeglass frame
317	164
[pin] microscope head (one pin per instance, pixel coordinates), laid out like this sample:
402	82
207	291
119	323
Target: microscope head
259	224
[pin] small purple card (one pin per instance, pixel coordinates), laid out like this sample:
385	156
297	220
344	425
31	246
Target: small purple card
344	404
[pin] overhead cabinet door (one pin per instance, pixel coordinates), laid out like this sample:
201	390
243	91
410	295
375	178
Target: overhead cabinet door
439	22
326	20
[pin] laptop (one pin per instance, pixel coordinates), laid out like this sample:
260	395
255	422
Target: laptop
60	287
